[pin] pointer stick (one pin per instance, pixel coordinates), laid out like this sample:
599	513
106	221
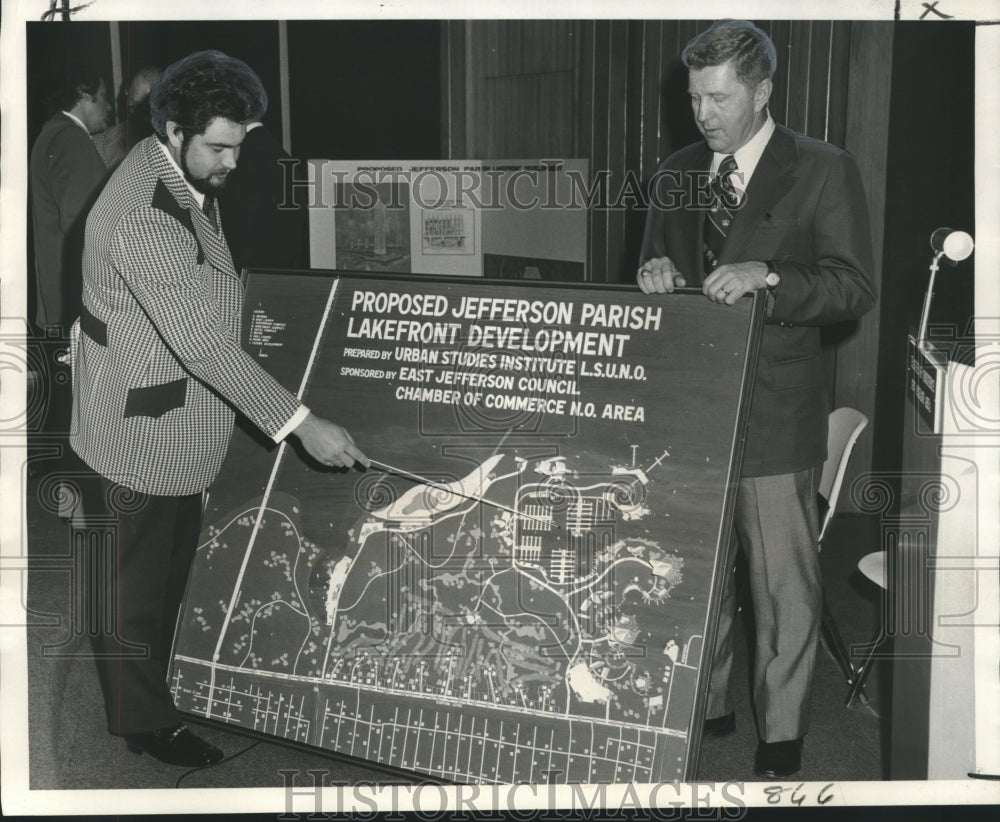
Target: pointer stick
409	475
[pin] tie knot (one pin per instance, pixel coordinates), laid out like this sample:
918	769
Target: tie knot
208	209
723	183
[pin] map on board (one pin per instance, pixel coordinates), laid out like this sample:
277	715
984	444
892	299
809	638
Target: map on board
519	588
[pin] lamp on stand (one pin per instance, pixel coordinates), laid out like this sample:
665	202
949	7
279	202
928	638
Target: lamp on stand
953	247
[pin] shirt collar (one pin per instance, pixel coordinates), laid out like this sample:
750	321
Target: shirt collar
749	154
199	197
78	121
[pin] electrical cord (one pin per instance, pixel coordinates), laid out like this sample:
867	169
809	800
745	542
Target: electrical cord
236	755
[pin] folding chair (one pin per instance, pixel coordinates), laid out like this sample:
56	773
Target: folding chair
873	566
846	425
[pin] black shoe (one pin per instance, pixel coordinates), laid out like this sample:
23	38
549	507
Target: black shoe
720	725
776	760
175	746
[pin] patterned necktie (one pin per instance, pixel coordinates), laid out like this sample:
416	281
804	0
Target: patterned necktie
719	217
208	208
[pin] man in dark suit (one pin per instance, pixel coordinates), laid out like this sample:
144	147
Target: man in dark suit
66	172
261	230
134	124
785	214
65	175
158	370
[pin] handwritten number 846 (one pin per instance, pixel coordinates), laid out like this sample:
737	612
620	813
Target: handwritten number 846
775	794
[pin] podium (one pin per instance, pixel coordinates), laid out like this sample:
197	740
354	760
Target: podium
944	586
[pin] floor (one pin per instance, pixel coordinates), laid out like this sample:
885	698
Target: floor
70	748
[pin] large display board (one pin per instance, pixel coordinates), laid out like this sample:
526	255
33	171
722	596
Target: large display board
524	589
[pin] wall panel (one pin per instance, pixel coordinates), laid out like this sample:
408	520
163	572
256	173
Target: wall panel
453	81
519	89
867	137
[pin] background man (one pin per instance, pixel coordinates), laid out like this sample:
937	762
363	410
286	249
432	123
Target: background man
788	214
158	370
65	174
261	229
134	123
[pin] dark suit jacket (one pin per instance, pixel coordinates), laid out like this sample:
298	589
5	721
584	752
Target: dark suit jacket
66	173
260	234
805	209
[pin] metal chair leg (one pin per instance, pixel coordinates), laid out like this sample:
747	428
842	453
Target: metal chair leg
857	688
834	643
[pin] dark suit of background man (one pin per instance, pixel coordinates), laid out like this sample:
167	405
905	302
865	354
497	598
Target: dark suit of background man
800	230
134	122
66	172
261	232
158	370
65	175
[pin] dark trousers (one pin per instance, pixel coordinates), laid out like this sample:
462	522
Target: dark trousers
137	589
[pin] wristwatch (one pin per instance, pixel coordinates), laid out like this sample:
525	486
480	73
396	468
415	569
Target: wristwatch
773	279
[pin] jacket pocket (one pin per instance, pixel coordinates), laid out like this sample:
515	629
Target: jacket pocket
796	373
156	400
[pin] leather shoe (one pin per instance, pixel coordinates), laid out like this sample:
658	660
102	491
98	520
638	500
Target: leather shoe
720	725
776	760
175	746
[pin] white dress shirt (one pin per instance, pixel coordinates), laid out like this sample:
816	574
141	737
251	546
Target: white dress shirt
747	156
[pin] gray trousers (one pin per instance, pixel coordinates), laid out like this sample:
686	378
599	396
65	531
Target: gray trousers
776	525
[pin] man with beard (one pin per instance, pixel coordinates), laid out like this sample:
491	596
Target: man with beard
158	370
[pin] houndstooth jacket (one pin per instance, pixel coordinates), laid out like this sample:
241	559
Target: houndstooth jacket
157	362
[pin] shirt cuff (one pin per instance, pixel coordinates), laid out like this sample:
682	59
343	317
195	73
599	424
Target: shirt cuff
292	424
769	304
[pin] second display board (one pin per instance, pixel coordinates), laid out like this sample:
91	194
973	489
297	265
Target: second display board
511	219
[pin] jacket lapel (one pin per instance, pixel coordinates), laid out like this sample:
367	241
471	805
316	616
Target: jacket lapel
216	248
212	242
692	220
771	180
